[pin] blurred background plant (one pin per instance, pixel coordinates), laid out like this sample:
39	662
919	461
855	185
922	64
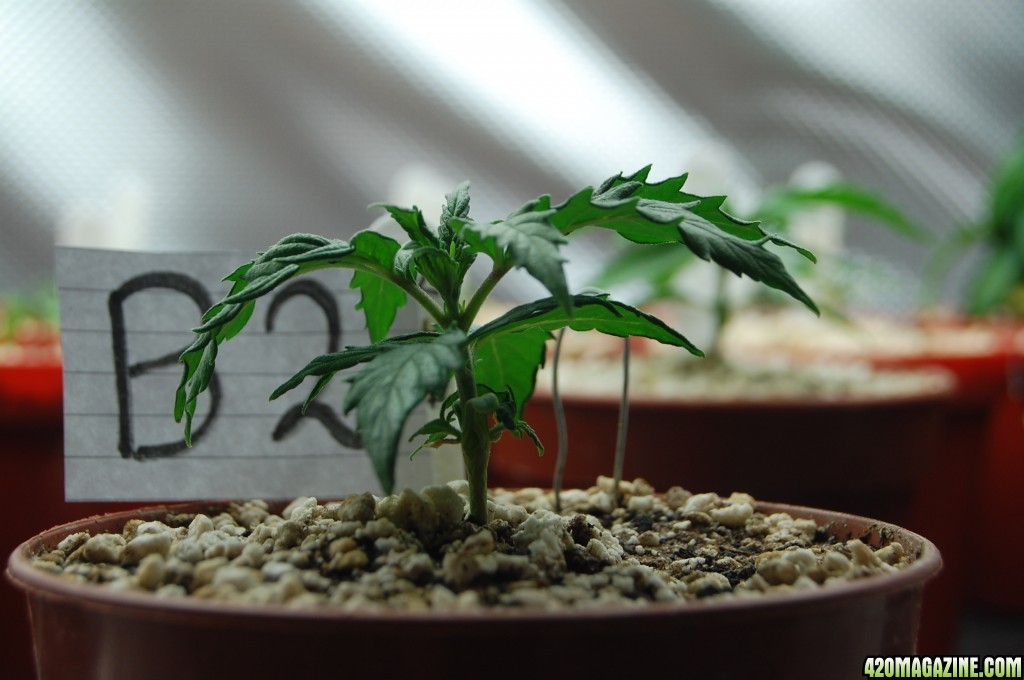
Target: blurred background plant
230	123
996	283
28	319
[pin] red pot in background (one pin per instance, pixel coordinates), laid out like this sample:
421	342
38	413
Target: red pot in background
83	631
32	498
999	584
981	464
808	452
981	373
30	394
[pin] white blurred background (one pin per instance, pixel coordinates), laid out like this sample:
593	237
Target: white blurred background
229	123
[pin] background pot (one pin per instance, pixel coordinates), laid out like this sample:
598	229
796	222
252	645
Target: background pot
979	464
83	631
979	471
999	586
32	470
810	452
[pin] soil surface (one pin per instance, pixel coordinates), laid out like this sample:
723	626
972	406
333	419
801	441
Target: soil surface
415	551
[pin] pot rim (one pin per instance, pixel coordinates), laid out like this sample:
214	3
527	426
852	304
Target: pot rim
938	396
38	583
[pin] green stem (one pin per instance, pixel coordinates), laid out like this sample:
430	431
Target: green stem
477	301
721	309
476	442
560	426
620	437
423	298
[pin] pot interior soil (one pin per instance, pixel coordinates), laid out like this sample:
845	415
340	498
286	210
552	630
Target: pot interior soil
415	552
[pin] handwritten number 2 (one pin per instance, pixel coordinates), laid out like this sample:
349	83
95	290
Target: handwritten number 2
323	299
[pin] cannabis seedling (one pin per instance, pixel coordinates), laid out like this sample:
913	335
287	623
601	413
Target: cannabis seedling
494	366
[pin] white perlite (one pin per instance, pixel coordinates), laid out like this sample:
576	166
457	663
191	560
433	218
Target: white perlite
414	551
745	376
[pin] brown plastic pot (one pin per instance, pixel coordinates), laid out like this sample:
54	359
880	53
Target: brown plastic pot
83	631
982	458
977	472
1001	479
861	455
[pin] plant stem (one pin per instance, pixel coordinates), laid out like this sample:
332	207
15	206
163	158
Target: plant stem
476	442
421	296
477	301
721	309
620	439
560	426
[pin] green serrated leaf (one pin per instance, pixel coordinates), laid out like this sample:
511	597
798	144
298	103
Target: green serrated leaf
279	250
655	213
330	253
781	241
741	257
614	207
227	318
217	316
591	312
708	207
314	240
391	385
436	427
456	205
379	298
327	365
527	240
510	350
450	407
412	222
259	287
235	325
320	386
238	277
510	361
434	264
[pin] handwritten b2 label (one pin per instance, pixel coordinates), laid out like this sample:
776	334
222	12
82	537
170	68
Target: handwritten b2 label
122	316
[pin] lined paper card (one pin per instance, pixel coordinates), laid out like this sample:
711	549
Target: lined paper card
125	318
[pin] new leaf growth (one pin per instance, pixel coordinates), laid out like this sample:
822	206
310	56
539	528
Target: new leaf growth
494	367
